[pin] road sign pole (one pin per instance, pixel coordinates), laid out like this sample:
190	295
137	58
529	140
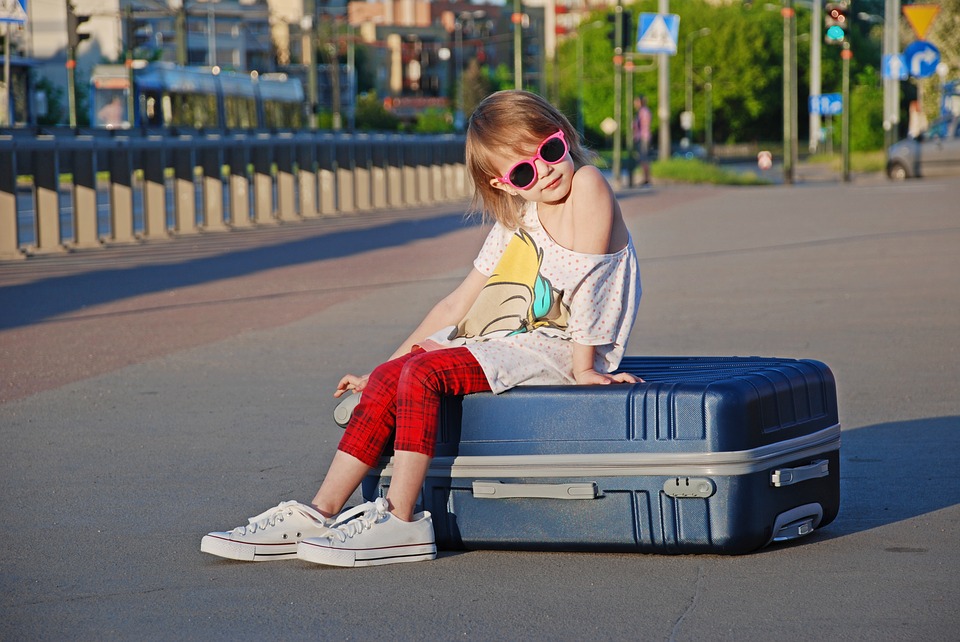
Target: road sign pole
617	91
789	72
816	28
5	116
663	93
891	86
846	54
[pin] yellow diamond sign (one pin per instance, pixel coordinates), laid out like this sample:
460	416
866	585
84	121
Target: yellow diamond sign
920	17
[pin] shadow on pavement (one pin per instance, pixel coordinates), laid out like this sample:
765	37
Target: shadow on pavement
896	471
34	302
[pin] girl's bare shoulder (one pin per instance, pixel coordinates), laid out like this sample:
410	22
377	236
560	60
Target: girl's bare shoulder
589	178
591	194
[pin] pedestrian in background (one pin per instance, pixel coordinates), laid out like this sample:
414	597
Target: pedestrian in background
917	120
551	299
641	136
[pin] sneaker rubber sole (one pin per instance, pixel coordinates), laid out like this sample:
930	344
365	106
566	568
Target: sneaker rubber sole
319	551
221	545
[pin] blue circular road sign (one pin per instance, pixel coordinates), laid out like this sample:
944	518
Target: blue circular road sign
922	58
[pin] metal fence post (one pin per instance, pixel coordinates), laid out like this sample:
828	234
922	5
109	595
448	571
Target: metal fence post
345	176
121	191
424	187
84	161
437	189
46	194
326	173
378	171
262	182
408	160
153	157
394	172
361	170
184	186
286	192
307	177
211	159
238	157
9	241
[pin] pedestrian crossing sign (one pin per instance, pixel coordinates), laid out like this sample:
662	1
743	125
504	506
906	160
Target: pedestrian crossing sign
657	33
13	10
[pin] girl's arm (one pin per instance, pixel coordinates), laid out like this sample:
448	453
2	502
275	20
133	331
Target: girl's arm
449	311
584	373
598	229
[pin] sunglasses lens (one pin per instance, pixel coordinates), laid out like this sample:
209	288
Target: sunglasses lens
553	150
522	175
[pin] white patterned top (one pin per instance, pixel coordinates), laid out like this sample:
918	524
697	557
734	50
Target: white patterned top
541	297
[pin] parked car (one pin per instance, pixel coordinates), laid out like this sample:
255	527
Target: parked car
935	152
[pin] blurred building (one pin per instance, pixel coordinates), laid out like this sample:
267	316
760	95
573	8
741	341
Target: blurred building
415	48
233	34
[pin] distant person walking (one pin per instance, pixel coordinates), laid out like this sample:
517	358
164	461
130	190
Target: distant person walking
917	122
641	136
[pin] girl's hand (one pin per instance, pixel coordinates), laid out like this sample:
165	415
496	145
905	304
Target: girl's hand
351	383
592	377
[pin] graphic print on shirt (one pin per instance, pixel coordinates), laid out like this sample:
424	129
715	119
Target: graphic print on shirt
516	297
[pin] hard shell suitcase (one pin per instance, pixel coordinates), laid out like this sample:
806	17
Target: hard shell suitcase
707	455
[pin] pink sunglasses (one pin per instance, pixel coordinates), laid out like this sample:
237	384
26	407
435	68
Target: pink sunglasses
523	175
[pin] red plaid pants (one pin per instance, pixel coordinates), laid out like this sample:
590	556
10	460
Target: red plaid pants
402	400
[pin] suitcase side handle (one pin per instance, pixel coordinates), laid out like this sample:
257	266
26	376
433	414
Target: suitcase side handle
787	476
499	490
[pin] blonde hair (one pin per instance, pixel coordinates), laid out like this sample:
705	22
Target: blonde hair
511	121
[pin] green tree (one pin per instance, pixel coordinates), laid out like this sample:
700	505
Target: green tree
866	103
945	35
56	110
744	51
476	86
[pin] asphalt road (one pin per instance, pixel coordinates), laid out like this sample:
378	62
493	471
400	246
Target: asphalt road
151	394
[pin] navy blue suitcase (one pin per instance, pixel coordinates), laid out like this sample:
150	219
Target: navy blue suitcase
708	455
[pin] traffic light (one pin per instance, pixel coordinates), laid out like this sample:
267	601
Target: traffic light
627	38
74	37
836	22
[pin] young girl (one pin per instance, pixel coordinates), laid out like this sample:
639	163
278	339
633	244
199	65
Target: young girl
551	299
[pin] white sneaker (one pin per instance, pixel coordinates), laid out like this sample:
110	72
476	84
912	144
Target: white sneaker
369	535
271	535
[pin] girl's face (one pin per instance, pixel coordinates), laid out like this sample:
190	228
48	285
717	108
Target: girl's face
545	174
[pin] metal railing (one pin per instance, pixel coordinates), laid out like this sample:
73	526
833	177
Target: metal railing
66	189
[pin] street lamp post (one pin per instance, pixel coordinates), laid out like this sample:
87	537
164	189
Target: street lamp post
517	19
789	91
459	114
708	125
816	28
688	59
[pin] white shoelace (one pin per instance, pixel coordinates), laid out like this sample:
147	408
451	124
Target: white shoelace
358	519
270	517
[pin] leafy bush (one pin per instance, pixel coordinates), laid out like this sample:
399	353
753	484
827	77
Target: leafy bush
434	121
684	170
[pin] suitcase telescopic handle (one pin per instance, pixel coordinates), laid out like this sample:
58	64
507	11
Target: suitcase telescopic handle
787	476
499	490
